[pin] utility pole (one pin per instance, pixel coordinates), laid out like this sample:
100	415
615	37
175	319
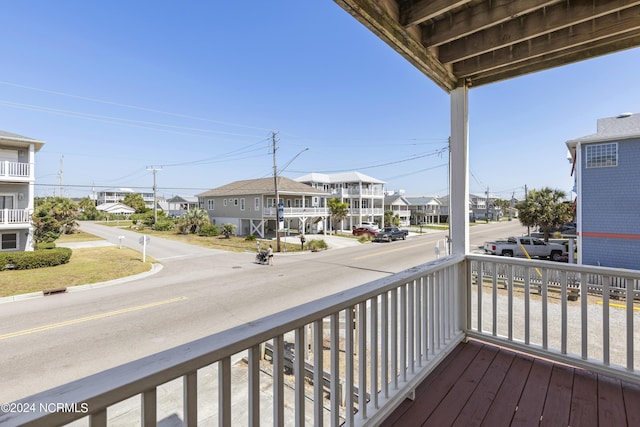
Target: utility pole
60	174
486	206
275	187
526	198
154	169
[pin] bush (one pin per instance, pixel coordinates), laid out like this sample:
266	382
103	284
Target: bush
209	230
228	230
250	238
36	259
366	237
316	245
148	218
164	224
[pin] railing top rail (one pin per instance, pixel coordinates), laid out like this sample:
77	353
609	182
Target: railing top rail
580	268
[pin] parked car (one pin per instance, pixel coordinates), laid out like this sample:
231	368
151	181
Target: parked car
525	245
369	224
364	230
388	234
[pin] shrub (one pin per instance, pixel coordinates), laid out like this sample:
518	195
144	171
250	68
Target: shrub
209	230
228	230
36	259
316	245
250	238
164	224
148	218
366	237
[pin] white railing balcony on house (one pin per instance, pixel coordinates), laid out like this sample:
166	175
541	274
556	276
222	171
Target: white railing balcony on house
14	170
356	192
296	212
14	216
353	357
576	314
365	211
401	212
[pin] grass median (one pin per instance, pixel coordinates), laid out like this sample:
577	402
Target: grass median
86	266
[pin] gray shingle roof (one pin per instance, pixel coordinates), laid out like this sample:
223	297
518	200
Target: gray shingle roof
262	186
620	127
14	138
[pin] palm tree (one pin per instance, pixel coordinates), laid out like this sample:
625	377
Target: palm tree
228	230
193	221
338	210
544	208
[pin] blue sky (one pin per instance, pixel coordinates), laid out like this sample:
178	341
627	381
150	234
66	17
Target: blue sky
196	88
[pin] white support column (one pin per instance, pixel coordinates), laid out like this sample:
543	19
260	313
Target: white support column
459	171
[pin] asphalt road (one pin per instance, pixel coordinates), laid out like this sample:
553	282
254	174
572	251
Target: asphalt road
52	340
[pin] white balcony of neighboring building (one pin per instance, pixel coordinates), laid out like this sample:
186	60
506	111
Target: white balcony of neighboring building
295	212
15	171
365	211
12	217
357	192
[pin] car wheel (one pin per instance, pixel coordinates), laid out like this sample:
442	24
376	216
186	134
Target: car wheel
507	253
556	255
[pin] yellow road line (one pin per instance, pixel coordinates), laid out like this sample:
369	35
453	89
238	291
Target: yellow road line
393	250
611	304
88	318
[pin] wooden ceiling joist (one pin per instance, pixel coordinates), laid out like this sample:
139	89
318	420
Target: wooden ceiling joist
477	42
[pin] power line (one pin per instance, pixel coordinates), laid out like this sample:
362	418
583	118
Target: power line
134	107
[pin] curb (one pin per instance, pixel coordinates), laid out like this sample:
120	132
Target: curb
155	268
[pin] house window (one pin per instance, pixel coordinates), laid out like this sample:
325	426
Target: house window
9	241
241	204
210	204
235	202
6	202
602	155
271	202
224	202
256	203
298	203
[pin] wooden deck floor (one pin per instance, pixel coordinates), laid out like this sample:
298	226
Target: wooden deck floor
482	385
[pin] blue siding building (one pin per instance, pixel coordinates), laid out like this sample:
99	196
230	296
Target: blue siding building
607	174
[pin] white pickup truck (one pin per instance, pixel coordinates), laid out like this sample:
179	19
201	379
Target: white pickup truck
521	246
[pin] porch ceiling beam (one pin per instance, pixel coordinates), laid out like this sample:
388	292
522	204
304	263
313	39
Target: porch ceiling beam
582	37
537	24
555	60
379	20
418	12
477	18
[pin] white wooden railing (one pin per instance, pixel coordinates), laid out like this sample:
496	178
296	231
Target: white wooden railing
383	338
378	341
576	314
366	211
14	216
292	212
14	169
356	192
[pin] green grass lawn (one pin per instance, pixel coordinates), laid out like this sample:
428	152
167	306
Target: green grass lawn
90	265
